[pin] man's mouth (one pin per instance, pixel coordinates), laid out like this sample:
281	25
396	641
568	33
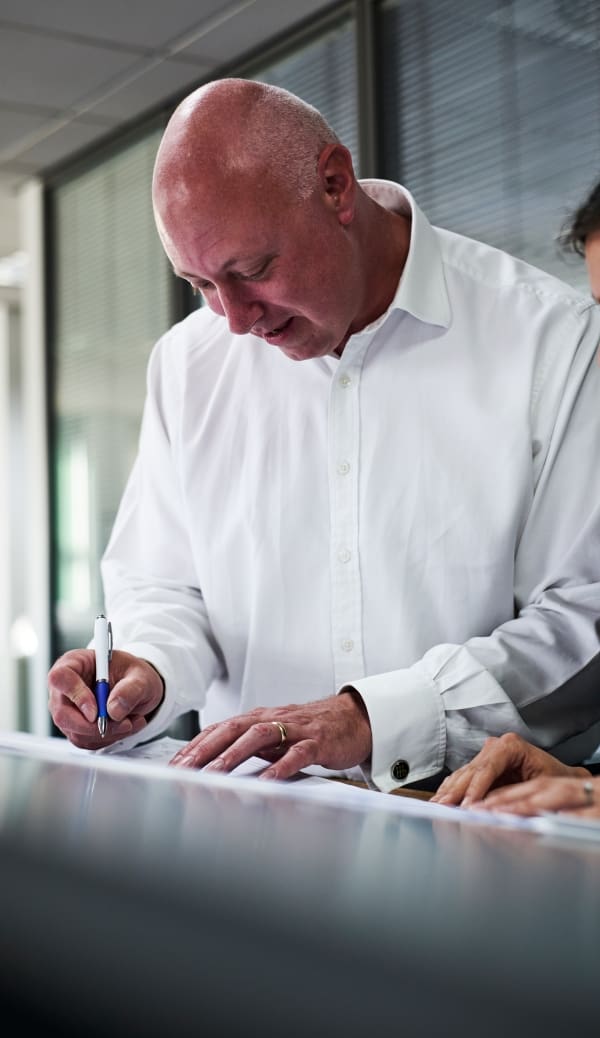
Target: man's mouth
276	333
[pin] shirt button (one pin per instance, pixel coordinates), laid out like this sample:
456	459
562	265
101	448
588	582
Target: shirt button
345	380
347	645
344	555
400	770
343	468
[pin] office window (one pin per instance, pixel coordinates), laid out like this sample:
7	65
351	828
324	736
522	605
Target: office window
491	116
111	291
323	73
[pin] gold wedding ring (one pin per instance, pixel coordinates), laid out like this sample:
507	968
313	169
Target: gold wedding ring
588	789
282	731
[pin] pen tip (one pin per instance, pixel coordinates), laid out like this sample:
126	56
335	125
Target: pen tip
102	726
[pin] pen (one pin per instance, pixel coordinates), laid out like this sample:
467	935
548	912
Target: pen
103	651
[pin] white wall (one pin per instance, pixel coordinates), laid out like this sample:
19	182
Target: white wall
8	702
26	528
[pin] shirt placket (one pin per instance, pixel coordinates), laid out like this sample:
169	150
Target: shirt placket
344	460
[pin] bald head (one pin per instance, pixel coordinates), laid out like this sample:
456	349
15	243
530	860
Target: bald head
235	128
259	209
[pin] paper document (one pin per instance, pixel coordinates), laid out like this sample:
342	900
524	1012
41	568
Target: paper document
163	750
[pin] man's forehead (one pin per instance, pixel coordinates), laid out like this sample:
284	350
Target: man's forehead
228	233
219	229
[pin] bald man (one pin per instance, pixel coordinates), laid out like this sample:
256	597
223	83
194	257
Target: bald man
361	531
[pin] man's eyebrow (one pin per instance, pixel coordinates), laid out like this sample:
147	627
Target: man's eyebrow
182	273
265	258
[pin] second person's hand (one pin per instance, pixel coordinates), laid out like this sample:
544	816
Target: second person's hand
500	762
569	795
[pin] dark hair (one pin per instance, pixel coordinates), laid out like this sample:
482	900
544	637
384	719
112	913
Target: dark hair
584	221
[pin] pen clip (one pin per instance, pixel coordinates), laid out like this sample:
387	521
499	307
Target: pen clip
110	640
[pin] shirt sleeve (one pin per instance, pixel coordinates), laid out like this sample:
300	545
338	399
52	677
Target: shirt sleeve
151	595
538	673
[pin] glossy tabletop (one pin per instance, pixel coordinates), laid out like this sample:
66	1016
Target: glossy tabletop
140	900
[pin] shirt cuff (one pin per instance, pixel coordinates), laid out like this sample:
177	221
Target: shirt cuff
408	726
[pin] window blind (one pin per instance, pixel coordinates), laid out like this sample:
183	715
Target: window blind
323	73
111	291
491	116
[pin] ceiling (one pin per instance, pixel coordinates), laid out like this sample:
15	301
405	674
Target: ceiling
73	72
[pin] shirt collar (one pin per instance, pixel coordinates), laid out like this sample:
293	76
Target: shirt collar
422	286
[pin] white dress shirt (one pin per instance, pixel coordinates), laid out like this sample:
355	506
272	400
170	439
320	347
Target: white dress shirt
419	518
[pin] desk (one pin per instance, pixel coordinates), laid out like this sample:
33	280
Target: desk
138	903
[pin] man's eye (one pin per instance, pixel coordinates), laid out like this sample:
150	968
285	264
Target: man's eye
257	274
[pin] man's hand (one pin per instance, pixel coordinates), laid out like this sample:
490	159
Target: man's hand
136	689
500	762
333	732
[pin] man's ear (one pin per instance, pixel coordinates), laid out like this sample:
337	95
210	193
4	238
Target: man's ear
336	174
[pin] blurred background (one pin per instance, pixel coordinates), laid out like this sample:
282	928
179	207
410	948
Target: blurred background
487	110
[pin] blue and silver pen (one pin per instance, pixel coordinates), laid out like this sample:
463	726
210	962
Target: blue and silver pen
103	650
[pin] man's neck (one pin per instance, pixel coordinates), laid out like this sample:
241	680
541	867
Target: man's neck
388	241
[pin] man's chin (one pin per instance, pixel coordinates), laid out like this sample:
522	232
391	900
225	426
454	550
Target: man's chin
299	355
305	351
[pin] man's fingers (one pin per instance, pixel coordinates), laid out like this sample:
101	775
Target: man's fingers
221	748
67	682
206	746
84	734
80	661
69	720
127	697
136	690
215	751
334	732
299	755
136	687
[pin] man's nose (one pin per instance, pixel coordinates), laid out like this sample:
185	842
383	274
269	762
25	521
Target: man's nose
241	312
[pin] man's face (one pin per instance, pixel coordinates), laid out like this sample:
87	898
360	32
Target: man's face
278	268
592	259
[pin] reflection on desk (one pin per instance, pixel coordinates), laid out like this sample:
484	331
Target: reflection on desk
135	902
